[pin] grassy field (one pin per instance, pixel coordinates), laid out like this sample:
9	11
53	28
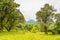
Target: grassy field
27	36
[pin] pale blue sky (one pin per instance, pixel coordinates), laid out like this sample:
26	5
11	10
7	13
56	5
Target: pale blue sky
30	7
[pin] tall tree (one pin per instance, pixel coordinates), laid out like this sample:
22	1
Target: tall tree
45	16
9	14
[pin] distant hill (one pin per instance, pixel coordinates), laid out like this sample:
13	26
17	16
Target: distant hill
31	21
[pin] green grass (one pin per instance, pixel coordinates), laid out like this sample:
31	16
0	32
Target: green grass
27	36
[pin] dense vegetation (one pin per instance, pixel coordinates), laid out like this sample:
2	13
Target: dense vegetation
12	19
10	16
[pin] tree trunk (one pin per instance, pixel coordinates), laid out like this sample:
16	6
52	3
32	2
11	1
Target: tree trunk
45	30
8	29
1	29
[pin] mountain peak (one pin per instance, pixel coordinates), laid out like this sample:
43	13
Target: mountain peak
31	21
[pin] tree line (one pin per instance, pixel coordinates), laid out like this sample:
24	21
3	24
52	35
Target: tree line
10	17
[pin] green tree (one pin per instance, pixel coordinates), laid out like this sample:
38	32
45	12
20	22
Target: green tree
44	16
57	28
28	27
10	16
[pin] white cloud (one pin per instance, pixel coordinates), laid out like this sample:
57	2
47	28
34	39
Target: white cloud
30	7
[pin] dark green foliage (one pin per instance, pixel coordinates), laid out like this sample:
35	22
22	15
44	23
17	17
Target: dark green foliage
21	26
28	27
56	28
9	15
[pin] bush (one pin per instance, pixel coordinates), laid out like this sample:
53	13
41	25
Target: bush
20	26
28	27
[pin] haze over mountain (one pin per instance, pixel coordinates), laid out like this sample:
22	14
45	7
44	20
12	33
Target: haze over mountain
31	21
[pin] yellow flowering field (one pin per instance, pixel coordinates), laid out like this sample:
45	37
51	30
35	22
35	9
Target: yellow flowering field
27	36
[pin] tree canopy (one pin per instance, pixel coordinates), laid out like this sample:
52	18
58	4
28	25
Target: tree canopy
45	15
9	14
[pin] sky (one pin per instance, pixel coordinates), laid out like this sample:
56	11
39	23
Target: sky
30	7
